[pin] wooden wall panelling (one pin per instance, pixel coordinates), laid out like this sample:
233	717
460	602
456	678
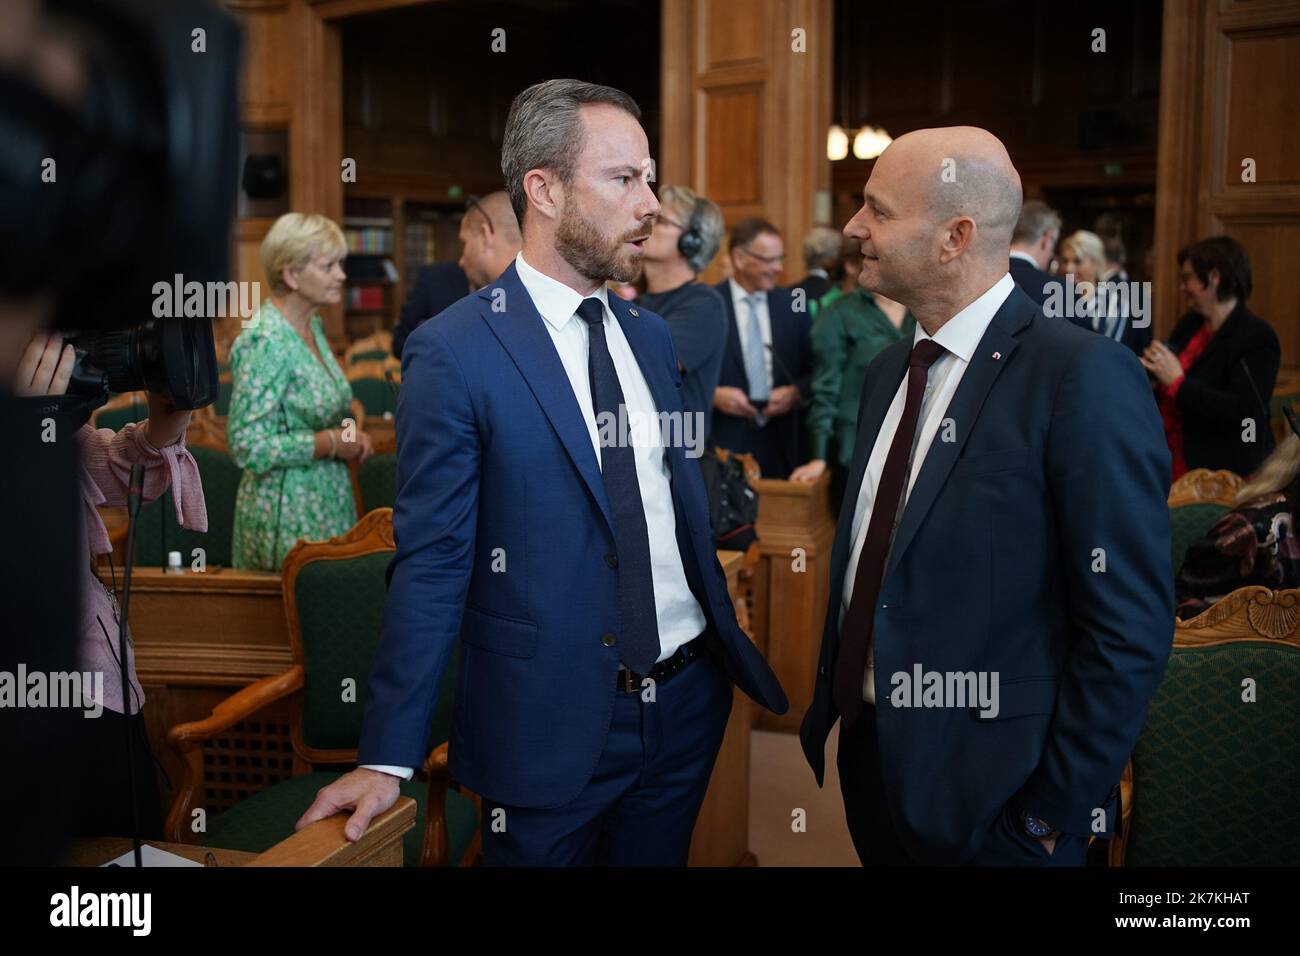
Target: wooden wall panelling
744	116
1227	94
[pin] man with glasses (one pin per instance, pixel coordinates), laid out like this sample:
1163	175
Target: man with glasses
767	367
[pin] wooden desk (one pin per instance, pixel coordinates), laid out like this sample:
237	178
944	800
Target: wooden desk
198	638
721	835
321	844
791	586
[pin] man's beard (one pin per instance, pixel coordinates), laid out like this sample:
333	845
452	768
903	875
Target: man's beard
595	256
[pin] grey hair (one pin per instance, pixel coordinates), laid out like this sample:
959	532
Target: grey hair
1036	219
821	248
544	131
711	226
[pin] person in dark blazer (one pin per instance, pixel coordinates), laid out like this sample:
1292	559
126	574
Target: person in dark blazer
575	564
437	286
1216	374
767	367
1032	243
996	625
489	242
1113	307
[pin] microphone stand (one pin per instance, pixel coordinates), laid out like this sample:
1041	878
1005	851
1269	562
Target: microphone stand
134	494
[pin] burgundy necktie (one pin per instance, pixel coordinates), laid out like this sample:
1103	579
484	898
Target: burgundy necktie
855	635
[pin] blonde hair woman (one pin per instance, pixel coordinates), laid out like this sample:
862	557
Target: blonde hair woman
1255	543
1105	307
289	401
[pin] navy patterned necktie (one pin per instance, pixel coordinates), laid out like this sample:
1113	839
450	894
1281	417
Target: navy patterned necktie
638	641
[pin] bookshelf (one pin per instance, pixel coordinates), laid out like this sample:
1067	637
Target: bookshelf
394	225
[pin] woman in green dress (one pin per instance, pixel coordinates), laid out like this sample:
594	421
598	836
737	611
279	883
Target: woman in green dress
846	337
289	426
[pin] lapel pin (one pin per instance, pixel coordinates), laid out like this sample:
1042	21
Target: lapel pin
634	311
997	356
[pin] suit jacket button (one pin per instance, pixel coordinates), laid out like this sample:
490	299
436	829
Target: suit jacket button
608	639
611	560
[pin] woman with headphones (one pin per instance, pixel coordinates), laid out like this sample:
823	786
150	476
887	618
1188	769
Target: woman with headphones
684	241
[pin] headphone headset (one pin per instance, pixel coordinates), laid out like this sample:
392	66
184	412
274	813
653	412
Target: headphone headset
690	242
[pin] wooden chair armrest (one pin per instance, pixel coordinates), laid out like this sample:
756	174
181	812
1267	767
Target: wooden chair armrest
187	739
239	705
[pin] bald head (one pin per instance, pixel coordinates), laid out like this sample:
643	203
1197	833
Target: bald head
489	238
937	217
967	172
496	207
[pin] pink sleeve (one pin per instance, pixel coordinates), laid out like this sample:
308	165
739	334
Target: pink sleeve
106	460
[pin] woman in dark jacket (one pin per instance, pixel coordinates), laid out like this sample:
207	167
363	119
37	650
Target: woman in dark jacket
1216	374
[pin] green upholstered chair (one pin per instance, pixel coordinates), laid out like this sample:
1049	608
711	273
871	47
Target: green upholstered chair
1214	777
334	595
376	395
158	533
1196	501
376	347
1189	524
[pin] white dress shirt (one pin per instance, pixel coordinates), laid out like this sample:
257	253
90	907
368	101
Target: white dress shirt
738	297
959	336
678	614
1026	257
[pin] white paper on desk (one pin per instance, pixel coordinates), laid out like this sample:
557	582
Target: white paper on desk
152	856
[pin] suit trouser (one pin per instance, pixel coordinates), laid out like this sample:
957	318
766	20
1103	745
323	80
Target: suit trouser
865	807
640	805
872	828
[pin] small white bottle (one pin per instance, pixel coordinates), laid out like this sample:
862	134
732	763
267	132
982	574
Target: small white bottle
174	563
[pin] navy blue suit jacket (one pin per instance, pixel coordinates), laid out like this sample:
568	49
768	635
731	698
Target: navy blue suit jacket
995	567
502	526
776	444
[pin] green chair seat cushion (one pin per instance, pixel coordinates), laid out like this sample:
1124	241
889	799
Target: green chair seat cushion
1215	778
264	819
1189	523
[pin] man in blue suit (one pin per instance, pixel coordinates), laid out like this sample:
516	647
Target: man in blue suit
767	365
1001	592
571	555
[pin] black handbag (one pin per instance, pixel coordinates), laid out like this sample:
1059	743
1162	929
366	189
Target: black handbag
733	504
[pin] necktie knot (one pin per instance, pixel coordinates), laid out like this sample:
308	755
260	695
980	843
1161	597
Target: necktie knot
591	311
925	353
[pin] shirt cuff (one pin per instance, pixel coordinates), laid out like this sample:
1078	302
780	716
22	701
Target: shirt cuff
405	773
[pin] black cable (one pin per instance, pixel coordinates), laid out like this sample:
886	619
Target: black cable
134	494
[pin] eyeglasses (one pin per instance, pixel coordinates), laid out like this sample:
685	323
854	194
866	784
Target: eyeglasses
472	203
770	260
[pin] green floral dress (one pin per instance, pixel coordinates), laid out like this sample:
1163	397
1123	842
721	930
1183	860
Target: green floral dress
281	396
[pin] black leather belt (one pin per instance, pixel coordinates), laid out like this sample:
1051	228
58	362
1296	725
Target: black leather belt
629	683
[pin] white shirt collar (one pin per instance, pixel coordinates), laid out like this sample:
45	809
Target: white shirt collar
1017	254
961	334
739	295
555	301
